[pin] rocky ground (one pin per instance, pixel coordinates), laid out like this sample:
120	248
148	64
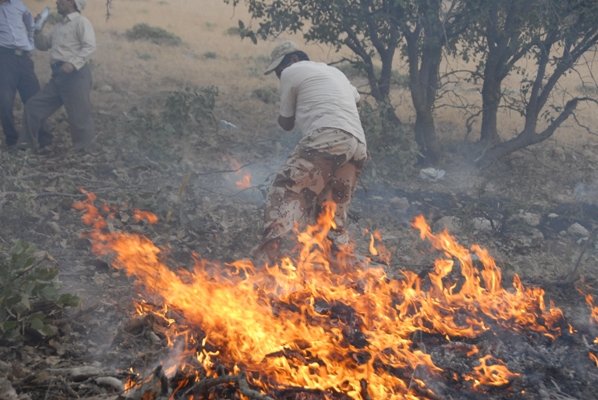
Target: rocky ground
537	213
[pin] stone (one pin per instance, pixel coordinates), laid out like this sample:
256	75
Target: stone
449	223
529	218
482	224
578	230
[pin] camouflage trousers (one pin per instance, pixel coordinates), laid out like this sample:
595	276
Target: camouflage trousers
323	166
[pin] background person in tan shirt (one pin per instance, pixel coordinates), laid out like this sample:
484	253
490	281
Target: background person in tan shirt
71	44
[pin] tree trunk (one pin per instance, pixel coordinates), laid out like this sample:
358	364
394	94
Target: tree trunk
491	93
425	136
424	63
528	136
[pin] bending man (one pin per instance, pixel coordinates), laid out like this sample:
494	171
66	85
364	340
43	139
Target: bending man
325	165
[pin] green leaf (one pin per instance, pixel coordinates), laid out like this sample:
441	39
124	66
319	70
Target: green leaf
69	300
48	293
37	324
49	330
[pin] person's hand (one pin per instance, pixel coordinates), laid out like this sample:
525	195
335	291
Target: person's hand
67	68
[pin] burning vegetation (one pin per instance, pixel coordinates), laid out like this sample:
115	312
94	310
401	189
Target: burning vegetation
327	323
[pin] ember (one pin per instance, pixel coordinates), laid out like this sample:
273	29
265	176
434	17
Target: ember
326	323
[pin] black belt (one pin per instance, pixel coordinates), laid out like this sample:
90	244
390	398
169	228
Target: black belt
15	52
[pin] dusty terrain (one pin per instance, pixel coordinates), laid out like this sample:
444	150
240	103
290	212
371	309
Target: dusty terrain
536	212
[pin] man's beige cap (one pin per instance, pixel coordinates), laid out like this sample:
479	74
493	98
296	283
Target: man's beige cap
80	4
278	54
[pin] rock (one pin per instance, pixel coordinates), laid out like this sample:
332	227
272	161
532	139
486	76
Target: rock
578	230
110	381
529	218
4	367
450	223
432	174
586	192
106	88
401	203
482	224
529	238
84	372
559	153
82	244
7	392
54	226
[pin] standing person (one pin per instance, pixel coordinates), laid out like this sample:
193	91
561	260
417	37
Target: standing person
17	71
325	164
71	44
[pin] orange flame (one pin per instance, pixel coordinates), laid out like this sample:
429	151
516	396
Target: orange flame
327	322
139	215
594	309
495	374
244	182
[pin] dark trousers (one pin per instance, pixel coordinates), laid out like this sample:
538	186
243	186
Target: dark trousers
71	91
16	74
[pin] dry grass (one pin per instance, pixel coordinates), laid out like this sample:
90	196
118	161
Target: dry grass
213	55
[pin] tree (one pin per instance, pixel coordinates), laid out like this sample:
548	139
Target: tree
428	27
501	35
568	31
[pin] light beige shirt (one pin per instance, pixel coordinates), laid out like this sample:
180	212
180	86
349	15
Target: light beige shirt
319	96
72	40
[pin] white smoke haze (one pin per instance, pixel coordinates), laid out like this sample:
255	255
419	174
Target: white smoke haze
204	209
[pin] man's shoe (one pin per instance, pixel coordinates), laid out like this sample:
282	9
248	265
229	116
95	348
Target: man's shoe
17	147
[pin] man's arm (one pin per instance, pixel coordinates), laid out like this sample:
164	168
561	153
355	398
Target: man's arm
87	39
286	123
42	41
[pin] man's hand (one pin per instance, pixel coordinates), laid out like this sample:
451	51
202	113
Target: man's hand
286	123
67	68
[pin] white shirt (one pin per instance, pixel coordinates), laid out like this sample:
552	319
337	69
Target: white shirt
72	40
319	96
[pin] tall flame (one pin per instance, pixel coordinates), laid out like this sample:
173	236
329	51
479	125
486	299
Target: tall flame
326	321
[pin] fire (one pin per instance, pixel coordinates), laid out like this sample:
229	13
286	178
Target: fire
244	182
594	309
147	216
487	374
329	321
593	319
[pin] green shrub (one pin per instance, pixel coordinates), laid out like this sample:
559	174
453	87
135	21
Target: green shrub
29	294
233	31
190	108
390	145
153	34
268	95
